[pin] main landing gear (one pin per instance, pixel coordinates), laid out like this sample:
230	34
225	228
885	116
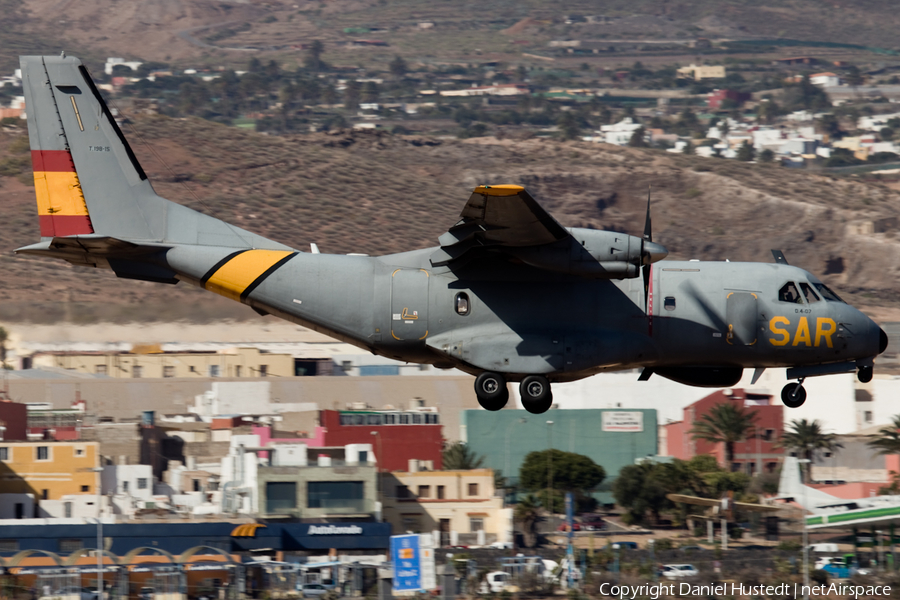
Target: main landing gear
490	388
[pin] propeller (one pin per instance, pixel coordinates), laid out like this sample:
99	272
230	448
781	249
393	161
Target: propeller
650	252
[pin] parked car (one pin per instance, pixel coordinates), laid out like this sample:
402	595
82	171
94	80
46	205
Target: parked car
678	571
564	527
146	593
593	524
312	590
688	549
626	546
501	546
840	567
496	582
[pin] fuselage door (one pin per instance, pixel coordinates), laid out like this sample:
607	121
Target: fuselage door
409	304
741	316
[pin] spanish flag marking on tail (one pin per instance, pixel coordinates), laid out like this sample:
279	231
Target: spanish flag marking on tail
61	207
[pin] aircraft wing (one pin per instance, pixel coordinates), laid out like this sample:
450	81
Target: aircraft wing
696	500
498	216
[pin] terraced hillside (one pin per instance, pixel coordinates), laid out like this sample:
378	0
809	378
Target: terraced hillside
375	193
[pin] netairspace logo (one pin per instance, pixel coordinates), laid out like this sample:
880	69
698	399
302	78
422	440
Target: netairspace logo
334	530
657	590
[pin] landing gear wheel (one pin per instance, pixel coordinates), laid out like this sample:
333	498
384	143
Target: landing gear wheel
865	374
536	395
793	395
490	388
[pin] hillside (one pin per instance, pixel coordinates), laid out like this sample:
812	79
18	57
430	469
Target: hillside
375	193
206	31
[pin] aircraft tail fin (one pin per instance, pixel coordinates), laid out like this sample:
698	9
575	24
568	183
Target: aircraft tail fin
790	486
87	178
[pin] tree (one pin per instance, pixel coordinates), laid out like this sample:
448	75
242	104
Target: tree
745	152
313	60
458	457
571	472
352	94
830	126
888	441
398	67
569	125
4	337
638	138
806	438
766	156
726	423
370	92
642	488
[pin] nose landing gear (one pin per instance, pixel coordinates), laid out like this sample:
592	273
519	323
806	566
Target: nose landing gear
490	388
794	394
865	374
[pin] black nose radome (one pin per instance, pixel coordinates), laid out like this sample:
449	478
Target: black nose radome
882	341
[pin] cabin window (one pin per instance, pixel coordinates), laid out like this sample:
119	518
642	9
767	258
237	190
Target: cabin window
462	304
790	293
808	293
669	303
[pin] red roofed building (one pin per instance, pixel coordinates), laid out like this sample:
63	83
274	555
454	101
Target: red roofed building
717	97
756	453
400	436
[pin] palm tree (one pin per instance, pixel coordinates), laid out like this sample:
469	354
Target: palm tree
889	442
458	457
527	514
806	437
4	337
726	423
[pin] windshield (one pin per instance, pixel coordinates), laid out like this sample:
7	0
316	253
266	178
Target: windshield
826	293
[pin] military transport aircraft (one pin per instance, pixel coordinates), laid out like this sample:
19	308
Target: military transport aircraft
510	295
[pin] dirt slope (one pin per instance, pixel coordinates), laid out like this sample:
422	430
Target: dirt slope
377	194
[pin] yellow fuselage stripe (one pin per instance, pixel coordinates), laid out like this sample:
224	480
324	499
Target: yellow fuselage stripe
59	193
235	276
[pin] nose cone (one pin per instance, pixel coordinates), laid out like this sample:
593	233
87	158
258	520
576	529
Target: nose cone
882	341
653	252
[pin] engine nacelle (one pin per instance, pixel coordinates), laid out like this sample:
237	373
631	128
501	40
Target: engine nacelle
589	253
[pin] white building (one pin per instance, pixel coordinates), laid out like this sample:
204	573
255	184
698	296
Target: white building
112	62
618	134
825	79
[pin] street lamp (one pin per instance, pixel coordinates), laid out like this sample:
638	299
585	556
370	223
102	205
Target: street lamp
508	467
99	531
805	534
550	465
378	466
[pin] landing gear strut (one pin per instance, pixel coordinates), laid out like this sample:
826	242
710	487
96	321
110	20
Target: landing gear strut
490	388
794	394
536	395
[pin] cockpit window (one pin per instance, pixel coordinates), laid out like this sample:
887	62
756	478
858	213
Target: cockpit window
790	293
808	293
826	293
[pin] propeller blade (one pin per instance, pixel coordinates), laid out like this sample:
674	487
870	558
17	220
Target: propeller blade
648	227
645	271
645	255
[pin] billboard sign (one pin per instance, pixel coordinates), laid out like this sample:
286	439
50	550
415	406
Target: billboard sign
623	421
413	560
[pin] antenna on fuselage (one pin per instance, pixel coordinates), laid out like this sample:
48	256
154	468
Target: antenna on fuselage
779	257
